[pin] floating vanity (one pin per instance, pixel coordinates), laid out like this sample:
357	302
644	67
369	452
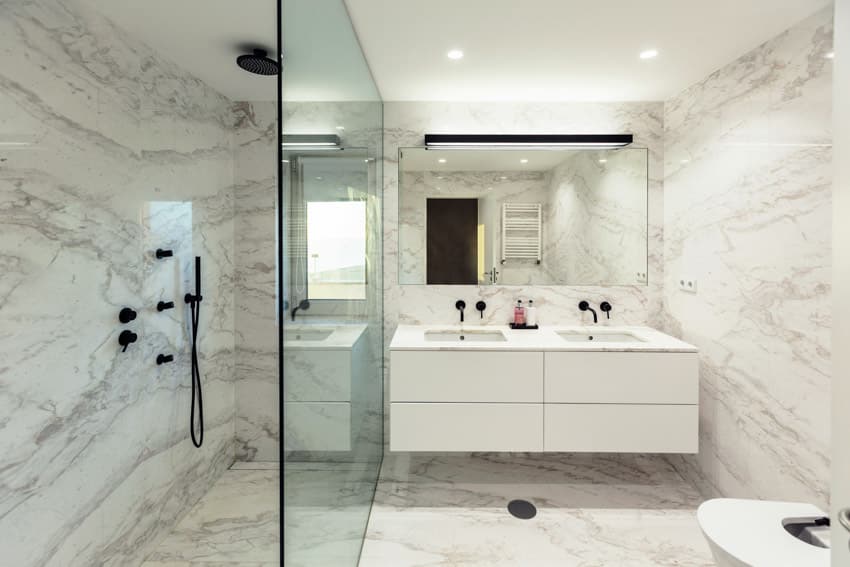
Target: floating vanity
570	389
330	364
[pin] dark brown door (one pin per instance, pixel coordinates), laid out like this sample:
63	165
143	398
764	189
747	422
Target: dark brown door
452	232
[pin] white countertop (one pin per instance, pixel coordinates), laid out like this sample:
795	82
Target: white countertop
412	337
341	335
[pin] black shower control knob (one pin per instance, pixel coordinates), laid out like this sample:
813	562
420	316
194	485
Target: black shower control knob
162	253
163	305
126	338
164	358
126	315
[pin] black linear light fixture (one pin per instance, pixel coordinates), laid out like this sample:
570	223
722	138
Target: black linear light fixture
522	141
311	141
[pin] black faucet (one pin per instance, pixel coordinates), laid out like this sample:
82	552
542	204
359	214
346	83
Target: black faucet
303	305
481	306
585	306
606	308
460	305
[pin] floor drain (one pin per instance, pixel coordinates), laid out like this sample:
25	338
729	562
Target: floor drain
522	509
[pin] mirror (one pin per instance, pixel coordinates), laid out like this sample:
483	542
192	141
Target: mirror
327	246
520	217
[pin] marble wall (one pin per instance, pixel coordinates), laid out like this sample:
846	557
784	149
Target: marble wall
107	152
595	219
255	263
747	214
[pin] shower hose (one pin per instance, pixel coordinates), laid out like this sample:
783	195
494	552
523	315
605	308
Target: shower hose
194	302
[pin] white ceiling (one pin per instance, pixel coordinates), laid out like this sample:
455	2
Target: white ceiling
557	50
204	37
422	159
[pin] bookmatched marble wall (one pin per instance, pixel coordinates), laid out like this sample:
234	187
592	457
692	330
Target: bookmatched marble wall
255	261
747	193
107	152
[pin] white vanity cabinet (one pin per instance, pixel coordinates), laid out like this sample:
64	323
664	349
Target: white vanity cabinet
534	393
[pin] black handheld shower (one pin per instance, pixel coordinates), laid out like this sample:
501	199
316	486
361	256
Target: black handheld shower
194	302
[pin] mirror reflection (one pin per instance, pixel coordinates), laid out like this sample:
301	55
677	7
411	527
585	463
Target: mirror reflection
517	217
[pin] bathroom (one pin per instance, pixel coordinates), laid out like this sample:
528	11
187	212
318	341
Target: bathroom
349	283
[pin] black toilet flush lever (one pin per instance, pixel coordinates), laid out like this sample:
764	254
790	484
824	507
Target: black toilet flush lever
126	338
460	305
163	305
481	306
126	315
163	359
606	308
585	306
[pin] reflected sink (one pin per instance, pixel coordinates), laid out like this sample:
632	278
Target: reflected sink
599	336
306	334
465	336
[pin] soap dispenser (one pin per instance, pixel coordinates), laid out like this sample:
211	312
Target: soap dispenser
531	314
519	314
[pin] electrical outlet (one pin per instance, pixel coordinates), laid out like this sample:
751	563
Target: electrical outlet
641	277
688	284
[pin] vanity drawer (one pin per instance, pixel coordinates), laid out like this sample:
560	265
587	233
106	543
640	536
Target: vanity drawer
472	376
621	428
466	427
622	377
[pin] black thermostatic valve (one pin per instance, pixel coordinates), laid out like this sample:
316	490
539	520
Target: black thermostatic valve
126	315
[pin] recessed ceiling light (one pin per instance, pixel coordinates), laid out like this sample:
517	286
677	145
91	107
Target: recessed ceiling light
442	160
649	54
318	178
523	160
830	55
455	54
340	128
684	161
503	177
603	160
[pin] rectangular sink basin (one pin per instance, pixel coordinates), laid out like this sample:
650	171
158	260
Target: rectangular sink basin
465	336
307	334
599	337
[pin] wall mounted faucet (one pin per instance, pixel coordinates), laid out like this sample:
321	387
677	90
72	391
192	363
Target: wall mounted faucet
585	306
481	306
606	308
460	305
303	305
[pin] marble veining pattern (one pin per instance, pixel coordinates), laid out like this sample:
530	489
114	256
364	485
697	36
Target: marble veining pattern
112	152
255	237
747	213
592	510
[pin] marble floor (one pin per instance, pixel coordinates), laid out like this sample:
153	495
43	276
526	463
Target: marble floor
593	510
236	524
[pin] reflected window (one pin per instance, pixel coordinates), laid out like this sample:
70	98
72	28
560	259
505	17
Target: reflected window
336	250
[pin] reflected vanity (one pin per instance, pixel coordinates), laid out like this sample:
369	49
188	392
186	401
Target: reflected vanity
520	217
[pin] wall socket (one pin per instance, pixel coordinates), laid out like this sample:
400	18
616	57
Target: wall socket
688	284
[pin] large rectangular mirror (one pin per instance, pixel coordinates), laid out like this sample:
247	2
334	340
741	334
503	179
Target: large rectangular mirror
517	217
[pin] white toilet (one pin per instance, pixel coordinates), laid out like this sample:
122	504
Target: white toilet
753	533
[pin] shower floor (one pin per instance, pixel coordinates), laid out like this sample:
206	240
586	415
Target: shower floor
236	523
628	511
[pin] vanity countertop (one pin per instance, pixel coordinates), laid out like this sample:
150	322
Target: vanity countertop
547	338
322	336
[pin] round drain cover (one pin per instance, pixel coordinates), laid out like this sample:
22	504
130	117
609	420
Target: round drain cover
522	509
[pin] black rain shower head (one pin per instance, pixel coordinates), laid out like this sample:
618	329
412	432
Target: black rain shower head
258	63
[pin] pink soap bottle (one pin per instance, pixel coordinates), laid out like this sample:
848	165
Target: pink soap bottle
519	313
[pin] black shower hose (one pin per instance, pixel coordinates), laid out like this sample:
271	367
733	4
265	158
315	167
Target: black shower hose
194	302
